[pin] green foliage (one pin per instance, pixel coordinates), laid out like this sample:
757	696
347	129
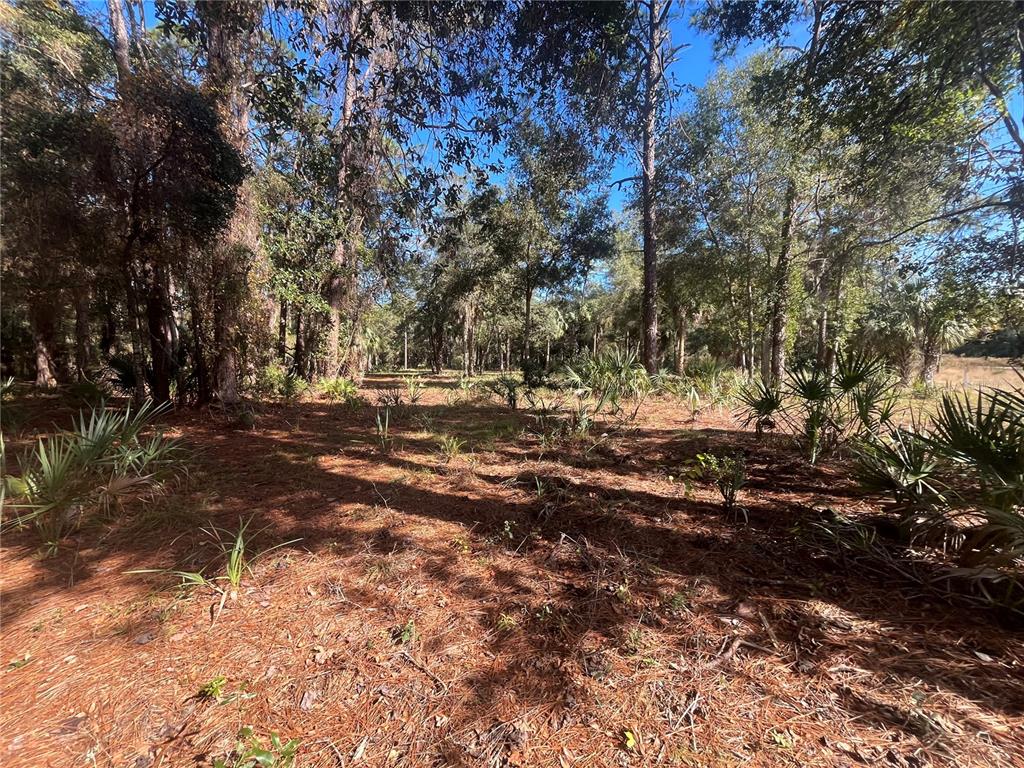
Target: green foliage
382	426
507	389
88	393
390	398
340	390
213	689
275	380
413	388
609	380
727	472
406	633
109	457
961	481
450	447
763	402
251	752
10	414
824	410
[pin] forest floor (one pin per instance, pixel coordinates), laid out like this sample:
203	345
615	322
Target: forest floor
576	604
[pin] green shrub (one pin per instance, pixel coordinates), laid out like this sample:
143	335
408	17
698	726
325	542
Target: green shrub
251	752
450	447
414	388
609	379
11	415
88	393
340	390
960	482
508	389
728	472
382	429
109	457
824	410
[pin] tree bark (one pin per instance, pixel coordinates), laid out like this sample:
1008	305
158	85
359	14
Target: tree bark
299	358
652	83
680	356
119	31
780	292
204	387
161	335
931	355
42	337
527	330
343	287
228	26
83	349
282	332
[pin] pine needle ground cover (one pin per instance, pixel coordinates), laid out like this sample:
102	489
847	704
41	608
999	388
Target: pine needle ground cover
518	602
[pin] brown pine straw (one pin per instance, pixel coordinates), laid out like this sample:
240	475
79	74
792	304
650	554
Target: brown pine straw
621	617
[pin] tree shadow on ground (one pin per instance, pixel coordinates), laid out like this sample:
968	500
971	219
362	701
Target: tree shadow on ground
586	541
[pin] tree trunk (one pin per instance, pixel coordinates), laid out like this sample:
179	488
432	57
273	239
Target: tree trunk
228	28
299	358
108	333
138	356
470	339
780	292
119	31
344	280
83	349
282	332
405	348
822	342
161	337
652	84
42	337
204	387
526	326
465	341
930	358
680	356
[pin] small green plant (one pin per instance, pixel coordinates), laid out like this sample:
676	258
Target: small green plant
450	447
390	398
823	409
414	388
251	752
10	414
763	401
507	389
340	390
506	622
728	472
107	458
293	387
960	484
236	563
275	380
682	388
213	689
609	380
405	634
382	426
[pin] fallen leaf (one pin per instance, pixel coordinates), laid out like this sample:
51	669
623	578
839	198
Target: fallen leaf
360	749
308	699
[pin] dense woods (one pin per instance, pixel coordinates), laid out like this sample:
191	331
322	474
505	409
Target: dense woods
195	199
